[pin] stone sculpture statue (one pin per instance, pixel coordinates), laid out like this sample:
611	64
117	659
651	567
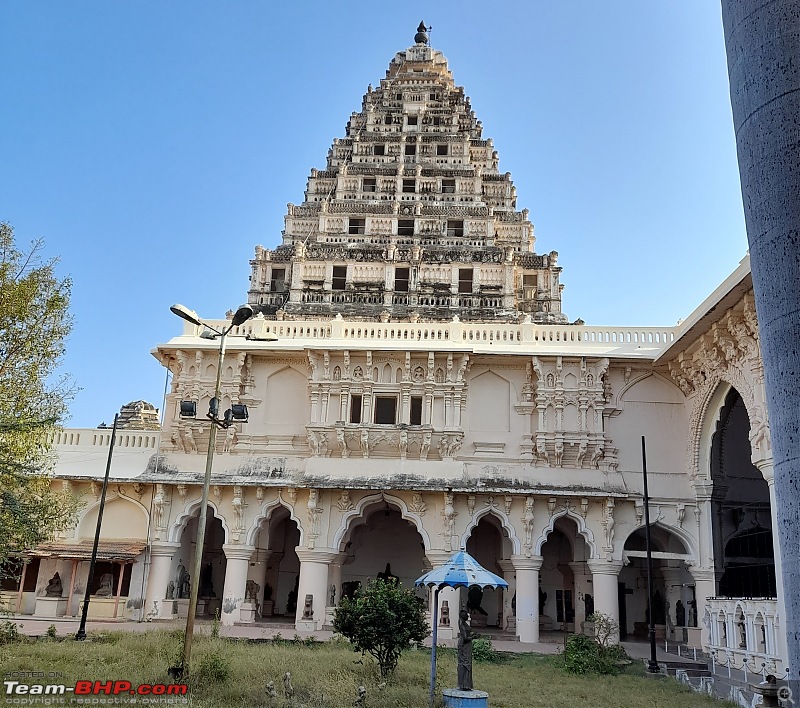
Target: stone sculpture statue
106	585
54	588
465	637
182	583
308	607
680	614
288	689
171	590
445	619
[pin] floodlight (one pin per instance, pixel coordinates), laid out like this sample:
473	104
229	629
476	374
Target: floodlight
188	409
185	313
244	313
239	412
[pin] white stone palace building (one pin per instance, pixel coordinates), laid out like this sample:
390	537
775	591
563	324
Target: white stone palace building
426	393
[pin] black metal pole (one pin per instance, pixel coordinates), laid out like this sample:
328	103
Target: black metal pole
652	664
81	635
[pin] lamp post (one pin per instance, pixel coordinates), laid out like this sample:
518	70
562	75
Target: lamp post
652	664
244	313
81	634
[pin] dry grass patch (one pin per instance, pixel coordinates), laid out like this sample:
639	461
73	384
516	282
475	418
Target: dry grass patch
328	674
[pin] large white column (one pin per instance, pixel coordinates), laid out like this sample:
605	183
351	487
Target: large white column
237	563
161	555
705	586
314	563
527	596
605	581
335	579
580	574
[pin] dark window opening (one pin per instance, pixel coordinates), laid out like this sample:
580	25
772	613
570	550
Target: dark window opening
370	184
448	186
378	149
455	227
412	120
398	96
441	149
356	226
411	149
278	282
31	576
339	277
355	409
401	280
465	280
436	120
416	410
385	410
405	227
107	568
409	186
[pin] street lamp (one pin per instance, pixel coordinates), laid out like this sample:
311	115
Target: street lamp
237	412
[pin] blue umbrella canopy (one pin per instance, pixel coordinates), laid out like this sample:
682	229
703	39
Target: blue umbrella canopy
462	570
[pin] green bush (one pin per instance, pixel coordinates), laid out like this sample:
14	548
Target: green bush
9	632
213	667
51	632
382	620
583	655
483	651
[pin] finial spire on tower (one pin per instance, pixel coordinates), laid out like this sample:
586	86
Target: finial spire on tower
421	37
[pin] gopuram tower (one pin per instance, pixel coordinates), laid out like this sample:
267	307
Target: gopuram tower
411	218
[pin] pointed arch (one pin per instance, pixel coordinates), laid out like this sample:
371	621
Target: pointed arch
112	497
689	543
505	522
356	513
583	530
189	510
267	508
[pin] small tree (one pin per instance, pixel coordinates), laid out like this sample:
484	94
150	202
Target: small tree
382	620
34	323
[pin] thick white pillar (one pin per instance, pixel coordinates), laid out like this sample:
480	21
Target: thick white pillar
605	581
580	574
450	595
161	555
335	580
314	563
237	563
527	570
705	586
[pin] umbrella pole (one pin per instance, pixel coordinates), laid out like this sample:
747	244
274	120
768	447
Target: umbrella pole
433	646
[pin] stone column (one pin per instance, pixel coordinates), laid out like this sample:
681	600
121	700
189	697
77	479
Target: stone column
335	579
762	45
257	570
527	597
582	587
161	555
238	562
313	581
605	579
705	586
509	575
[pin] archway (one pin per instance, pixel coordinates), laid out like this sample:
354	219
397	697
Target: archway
212	575
565	592
488	544
742	529
381	541
275	565
674	599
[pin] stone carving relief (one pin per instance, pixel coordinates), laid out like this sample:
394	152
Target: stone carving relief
449	514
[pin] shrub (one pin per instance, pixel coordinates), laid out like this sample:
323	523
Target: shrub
382	621
213	667
584	655
51	632
9	632
483	651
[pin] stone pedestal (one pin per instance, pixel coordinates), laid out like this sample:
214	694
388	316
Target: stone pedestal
694	637
50	607
247	612
103	607
267	608
302	625
455	698
183	608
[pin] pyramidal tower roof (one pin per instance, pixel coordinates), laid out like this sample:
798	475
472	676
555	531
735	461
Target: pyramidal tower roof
411	218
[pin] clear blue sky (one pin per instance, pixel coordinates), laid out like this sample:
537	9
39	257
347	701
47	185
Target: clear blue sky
154	144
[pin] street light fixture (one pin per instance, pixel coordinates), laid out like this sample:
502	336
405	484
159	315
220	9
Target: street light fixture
188	409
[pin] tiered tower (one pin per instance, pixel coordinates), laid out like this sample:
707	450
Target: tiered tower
410	219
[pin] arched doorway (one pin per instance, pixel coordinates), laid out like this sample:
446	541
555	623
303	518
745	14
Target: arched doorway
742	528
275	565
565	592
674	603
381	541
488	543
213	566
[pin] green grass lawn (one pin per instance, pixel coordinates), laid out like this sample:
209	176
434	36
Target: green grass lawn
235	673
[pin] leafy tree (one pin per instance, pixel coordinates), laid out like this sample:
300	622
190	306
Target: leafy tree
34	323
382	620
